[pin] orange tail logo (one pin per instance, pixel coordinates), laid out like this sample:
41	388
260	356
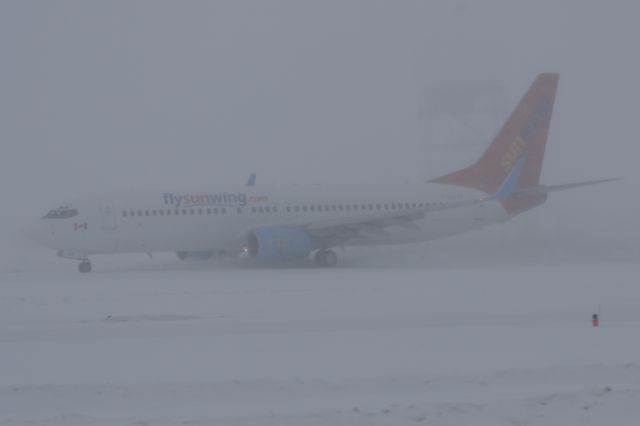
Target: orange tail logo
525	131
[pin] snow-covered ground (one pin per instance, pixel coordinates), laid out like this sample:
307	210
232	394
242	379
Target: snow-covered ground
164	344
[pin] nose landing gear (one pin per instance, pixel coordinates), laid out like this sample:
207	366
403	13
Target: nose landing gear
85	264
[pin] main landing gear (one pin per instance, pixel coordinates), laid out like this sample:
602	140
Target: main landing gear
326	258
84	266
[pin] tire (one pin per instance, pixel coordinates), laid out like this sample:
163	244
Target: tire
326	258
182	255
84	267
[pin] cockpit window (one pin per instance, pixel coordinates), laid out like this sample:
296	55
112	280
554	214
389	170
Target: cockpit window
62	212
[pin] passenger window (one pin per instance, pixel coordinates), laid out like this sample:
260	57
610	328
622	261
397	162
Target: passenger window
124	213
132	213
377	206
407	205
393	206
267	209
192	211
297	209
154	212
288	209
340	207
168	212
184	211
304	208
260	209
333	207
199	211
208	211
161	212
239	210
347	207
176	212
274	209
223	210
312	208
215	210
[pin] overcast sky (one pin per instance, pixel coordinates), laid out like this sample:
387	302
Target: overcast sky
100	96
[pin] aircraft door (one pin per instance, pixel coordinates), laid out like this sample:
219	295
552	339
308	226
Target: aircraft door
480	214
108	216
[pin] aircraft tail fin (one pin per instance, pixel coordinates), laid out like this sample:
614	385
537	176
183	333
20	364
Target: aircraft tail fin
520	144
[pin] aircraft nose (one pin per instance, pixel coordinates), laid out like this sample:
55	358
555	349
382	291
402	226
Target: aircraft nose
40	233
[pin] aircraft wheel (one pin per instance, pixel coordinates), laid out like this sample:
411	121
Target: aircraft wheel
326	258
182	255
84	266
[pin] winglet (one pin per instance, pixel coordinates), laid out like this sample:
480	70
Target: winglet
251	181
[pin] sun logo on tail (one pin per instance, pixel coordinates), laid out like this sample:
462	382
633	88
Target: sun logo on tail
512	154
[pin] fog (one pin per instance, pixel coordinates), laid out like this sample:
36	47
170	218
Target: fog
111	96
491	327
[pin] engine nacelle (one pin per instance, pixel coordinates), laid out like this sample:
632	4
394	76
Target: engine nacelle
273	244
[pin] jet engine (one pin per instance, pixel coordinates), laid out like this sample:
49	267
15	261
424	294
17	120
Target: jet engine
279	243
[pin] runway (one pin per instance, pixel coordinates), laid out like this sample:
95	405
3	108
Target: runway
350	345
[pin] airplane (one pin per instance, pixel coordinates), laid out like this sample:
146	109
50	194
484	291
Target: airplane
280	225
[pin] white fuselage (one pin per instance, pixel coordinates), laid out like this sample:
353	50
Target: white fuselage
218	221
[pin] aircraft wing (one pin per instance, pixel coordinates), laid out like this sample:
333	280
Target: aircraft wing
339	231
335	232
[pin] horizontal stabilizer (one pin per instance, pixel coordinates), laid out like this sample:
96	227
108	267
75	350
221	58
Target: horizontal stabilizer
545	189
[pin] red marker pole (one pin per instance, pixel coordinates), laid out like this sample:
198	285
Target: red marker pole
595	321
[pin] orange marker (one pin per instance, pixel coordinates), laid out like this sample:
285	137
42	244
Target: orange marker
595	321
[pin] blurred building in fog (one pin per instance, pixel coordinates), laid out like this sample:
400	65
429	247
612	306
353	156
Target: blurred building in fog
459	121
